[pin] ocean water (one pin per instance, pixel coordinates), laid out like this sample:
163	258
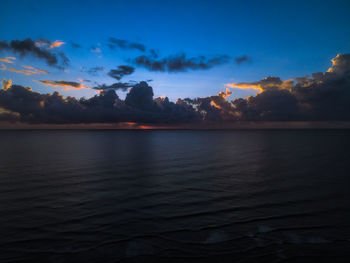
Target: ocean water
175	196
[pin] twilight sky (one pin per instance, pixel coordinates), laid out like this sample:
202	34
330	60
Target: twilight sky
281	38
181	48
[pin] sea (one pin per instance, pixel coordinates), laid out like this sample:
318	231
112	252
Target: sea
175	196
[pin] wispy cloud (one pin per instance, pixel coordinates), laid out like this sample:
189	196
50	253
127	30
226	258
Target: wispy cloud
180	62
8	60
114	43
66	85
36	69
242	59
43	42
56	43
29	70
95	49
92	71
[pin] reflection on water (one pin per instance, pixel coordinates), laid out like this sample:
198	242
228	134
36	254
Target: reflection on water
174	196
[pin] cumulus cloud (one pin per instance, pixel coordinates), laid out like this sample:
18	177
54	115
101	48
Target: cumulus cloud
67	85
121	71
179	62
340	64
321	97
6	84
139	106
29	47
114	43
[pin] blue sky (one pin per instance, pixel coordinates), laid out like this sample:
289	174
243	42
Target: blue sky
281	38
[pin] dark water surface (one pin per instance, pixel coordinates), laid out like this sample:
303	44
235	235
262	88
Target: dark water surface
175	196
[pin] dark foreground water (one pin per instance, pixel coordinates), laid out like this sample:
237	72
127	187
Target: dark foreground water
175	196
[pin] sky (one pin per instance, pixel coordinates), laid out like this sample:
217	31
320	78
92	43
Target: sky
183	49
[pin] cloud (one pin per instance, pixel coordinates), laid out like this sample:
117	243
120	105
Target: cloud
83	80
121	72
179	63
43	42
6	84
29	47
7	60
264	84
92	71
340	64
139	106
67	85
36	69
321	97
56	43
75	45
28	71
114	43
242	59
116	86
95	49
65	60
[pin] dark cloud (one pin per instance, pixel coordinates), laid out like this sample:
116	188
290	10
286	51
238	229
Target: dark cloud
242	59
75	45
116	86
324	96
92	71
114	43
321	97
62	83
121	72
179	62
64	59
153	53
8	117
29	47
140	96
139	106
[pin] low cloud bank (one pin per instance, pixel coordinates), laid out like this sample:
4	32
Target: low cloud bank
321	97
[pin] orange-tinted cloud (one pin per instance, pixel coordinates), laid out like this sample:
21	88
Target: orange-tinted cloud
7	59
66	85
225	94
215	105
246	86
49	44
221	94
264	84
56	43
28	71
6	84
36	69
